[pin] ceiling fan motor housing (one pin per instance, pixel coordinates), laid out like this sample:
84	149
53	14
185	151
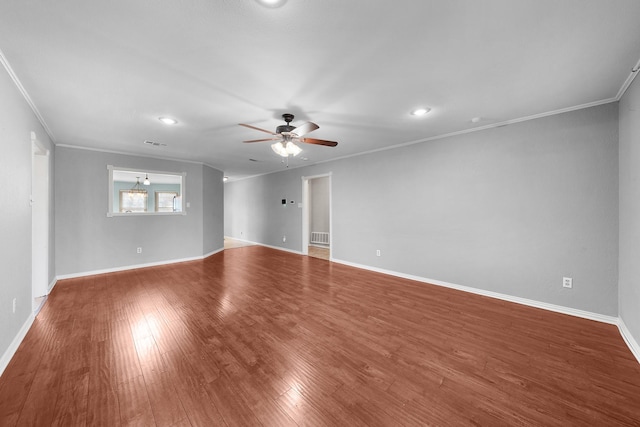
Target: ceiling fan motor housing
288	134
288	118
285	128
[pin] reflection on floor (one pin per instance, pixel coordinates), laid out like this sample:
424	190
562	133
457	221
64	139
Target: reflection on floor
230	243
314	251
38	302
318	252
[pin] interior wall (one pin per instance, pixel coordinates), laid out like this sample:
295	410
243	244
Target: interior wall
510	210
253	210
17	121
629	284
89	241
319	205
213	205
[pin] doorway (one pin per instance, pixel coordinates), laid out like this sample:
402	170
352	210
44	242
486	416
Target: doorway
39	223
316	216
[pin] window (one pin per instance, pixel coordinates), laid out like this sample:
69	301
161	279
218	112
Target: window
166	201
145	192
133	200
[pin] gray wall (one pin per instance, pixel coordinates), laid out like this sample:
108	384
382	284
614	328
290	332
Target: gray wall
509	210
16	123
213	208
88	240
257	213
629	285
319	205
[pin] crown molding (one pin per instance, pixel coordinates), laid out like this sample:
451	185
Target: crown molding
25	95
632	75
146	156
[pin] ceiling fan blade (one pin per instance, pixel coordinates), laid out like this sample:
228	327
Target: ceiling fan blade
262	140
305	128
261	130
319	142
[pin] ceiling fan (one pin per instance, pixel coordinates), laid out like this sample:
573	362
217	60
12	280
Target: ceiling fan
287	135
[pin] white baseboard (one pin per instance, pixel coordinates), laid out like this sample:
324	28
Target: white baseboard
629	339
17	340
518	300
624	331
293	251
524	301
238	239
52	285
212	253
243	240
133	267
13	347
39	307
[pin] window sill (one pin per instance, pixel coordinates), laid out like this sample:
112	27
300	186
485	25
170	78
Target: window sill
113	214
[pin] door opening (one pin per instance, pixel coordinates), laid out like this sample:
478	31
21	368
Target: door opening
316	216
39	223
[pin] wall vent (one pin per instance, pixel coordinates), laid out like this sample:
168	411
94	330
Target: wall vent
320	237
155	144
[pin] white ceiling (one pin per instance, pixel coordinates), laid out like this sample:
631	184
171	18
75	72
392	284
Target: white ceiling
100	73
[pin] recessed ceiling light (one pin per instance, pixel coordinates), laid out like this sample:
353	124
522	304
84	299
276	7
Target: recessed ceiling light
420	111
168	120
272	3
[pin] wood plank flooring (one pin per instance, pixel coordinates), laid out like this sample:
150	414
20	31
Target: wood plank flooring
318	252
230	243
255	336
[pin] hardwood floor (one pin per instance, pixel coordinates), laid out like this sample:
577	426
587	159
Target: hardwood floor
318	252
230	243
256	336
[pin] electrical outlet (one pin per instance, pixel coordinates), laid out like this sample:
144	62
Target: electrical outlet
378	252
567	282
14	305
284	239
139	250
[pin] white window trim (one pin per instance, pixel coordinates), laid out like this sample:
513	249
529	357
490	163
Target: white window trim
110	212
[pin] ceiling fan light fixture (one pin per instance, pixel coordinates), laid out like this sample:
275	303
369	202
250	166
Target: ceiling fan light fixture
293	149
279	149
288	135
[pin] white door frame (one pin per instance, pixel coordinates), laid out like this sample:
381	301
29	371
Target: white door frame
306	213
39	219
